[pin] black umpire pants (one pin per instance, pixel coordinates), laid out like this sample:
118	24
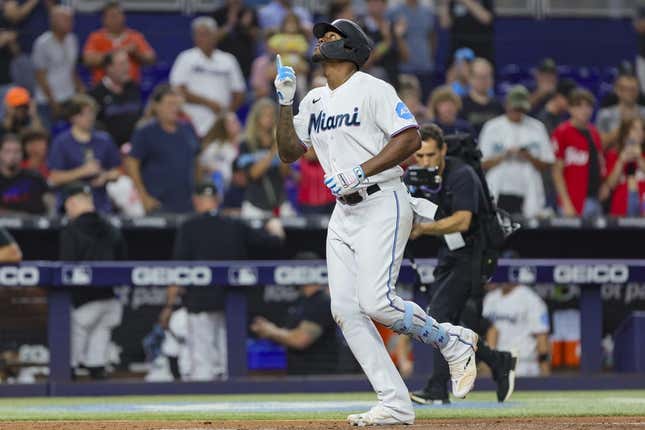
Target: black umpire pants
456	296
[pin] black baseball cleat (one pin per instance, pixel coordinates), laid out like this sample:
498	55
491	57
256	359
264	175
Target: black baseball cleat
504	375
424	397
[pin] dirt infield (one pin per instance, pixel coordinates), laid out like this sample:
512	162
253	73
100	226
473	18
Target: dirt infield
563	423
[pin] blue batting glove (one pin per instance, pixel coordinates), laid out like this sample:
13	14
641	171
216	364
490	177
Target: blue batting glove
285	82
346	181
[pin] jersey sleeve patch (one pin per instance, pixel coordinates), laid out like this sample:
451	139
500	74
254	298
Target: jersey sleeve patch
403	112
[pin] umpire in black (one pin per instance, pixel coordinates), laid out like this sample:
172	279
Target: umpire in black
457	291
210	236
90	237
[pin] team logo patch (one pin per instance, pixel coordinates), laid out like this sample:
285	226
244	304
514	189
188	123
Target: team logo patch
403	112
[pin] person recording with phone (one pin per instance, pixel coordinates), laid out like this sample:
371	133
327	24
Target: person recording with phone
85	154
516	149
624	188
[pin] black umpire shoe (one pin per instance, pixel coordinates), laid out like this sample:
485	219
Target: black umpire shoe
504	375
424	397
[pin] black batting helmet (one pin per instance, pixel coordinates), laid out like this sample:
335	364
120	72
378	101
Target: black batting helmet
354	46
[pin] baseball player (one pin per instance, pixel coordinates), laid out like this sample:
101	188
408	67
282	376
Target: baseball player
361	132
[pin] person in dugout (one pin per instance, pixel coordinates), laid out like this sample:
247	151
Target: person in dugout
456	294
308	332
96	311
211	236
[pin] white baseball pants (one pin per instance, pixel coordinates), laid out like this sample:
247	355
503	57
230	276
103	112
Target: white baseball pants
206	343
365	244
91	327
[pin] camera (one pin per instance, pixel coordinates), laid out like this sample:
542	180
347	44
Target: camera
420	177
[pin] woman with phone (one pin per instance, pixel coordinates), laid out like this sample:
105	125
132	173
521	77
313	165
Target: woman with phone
625	185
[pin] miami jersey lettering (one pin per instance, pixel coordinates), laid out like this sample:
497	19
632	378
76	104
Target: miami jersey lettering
353	123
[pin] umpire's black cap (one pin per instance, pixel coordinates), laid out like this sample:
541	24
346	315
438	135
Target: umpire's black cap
206	189
74	188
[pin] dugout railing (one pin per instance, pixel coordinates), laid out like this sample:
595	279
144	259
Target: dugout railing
60	277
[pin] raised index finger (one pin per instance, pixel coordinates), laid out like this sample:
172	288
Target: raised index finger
278	62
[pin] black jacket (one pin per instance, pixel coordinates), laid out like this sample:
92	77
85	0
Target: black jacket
211	237
90	237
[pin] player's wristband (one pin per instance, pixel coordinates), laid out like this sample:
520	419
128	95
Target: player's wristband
360	174
543	358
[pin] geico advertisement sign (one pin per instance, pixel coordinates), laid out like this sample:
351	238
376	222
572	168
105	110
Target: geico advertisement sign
591	274
300	275
14	275
180	275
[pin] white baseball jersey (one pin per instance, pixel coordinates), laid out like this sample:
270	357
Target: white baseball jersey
351	124
518	316
216	78
498	136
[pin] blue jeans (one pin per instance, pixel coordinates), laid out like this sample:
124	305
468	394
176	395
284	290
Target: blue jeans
592	208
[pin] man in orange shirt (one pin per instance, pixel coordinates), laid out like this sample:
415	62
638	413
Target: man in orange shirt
116	36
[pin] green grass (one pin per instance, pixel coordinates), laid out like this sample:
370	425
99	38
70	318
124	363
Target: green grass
478	405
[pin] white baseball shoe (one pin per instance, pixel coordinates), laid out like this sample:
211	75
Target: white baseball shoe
378	416
460	355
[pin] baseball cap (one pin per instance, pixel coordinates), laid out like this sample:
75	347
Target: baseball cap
205	189
548	65
565	86
74	188
17	96
464	54
518	98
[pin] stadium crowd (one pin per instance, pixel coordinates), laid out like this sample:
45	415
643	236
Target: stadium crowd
542	151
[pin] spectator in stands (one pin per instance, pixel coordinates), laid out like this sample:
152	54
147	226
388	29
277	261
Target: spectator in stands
579	167
209	79
9	250
55	55
556	109
20	112
265	193
639	26
546	83
421	35
291	43
522	321
610	98
35	142
554	113
341	9
410	94
96	311
313	196
116	36
272	15
471	24
458	76
309	333
9	48
234	196
390	47
83	153
220	151
609	119
625	184
21	191
262	76
239	32
118	98
480	105
20	22
195	239
162	160
516	149
444	106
